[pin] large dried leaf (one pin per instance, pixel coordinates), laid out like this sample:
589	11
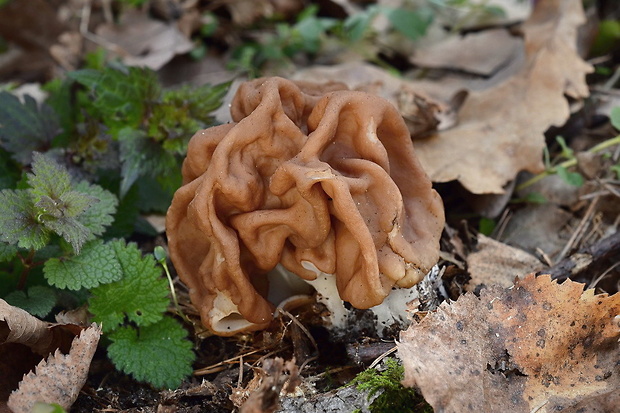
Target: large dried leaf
500	130
143	41
59	378
481	53
538	346
24	341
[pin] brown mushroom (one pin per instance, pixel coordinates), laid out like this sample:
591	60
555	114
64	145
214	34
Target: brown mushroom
320	183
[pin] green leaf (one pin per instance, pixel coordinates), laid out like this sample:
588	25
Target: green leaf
47	408
76	214
486	226
411	23
616	169
9	171
96	264
7	252
567	152
48	178
615	117
140	156
18	220
39	301
25	127
159	353
69	228
571	178
100	214
120	96
535	198
358	24
141	296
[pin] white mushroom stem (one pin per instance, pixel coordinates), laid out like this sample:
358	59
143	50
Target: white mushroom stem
393	310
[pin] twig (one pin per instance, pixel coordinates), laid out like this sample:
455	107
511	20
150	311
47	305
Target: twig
603	275
585	259
580	228
214	367
568	163
382	356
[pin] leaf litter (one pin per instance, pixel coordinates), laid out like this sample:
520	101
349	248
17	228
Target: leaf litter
26	342
527	355
537	346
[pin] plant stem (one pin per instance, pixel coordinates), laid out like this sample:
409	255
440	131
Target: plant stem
568	163
27	263
173	292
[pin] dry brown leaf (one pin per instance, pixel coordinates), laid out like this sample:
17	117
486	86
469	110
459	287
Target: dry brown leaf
59	378
481	53
496	263
539	229
18	326
24	341
500	130
538	346
145	41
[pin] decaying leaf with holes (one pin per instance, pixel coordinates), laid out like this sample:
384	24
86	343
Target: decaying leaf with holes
537	346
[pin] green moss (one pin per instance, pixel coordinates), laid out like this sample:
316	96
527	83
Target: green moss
393	397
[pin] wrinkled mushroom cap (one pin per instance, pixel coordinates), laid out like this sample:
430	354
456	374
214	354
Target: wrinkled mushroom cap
319	182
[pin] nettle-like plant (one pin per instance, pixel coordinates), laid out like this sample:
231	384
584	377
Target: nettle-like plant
76	173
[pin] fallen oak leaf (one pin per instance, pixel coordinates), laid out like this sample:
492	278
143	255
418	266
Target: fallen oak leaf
501	129
537	345
60	377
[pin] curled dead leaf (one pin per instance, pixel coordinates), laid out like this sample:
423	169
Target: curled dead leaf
537	346
25	341
59	378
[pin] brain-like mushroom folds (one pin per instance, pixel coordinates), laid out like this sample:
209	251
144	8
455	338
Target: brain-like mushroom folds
318	182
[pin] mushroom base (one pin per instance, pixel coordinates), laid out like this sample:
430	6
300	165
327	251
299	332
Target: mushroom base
392	313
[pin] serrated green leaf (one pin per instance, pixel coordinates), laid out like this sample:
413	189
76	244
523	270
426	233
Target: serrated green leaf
39	301
69	228
126	216
48	177
159	353
18	221
76	202
140	156
96	264
141	296
77	214
25	127
571	178
120	95
7	252
100	214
